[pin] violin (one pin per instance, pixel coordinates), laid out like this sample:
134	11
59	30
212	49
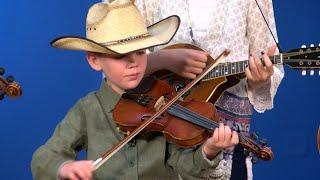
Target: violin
185	123
161	108
8	87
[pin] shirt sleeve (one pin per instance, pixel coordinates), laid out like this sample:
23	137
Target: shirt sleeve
67	140
191	163
260	39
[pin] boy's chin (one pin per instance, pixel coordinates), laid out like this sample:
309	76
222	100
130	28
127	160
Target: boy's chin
131	85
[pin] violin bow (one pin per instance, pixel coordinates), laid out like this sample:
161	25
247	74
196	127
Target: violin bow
107	155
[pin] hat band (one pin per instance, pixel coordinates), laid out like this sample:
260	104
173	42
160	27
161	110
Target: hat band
126	39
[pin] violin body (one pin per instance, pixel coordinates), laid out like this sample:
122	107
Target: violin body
128	115
185	123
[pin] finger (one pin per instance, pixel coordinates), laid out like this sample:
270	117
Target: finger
196	64
221	133
259	65
272	50
189	75
193	70
201	56
268	64
253	68
249	75
215	136
90	169
71	176
235	138
81	173
227	132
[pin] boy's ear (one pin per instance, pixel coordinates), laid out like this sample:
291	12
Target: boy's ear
93	61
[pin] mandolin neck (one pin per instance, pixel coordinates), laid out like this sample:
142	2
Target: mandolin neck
233	68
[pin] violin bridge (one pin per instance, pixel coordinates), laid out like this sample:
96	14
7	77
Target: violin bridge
159	103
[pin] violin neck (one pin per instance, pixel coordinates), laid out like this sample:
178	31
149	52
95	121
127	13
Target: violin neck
192	117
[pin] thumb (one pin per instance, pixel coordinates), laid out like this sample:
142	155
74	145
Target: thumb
272	50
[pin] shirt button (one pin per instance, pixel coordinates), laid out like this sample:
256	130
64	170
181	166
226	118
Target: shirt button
132	143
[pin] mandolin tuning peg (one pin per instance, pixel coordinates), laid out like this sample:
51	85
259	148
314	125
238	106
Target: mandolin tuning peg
304	72
311	72
254	136
263	142
1	96
303	46
2	71
10	79
312	45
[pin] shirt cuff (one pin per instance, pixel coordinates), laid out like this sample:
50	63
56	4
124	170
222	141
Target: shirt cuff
204	162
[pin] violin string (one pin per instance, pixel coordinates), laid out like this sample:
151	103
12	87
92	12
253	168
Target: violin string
203	120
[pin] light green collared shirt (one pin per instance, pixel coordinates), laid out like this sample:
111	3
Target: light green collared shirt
89	126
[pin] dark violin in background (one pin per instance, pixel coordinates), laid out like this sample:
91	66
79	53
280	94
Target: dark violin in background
8	87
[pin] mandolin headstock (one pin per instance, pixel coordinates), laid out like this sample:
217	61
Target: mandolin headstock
305	58
8	87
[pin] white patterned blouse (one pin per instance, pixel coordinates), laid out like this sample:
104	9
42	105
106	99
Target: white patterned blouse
216	25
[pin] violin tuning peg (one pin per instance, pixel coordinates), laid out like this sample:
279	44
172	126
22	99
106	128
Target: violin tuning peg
255	159
311	72
312	45
264	142
303	46
2	71
10	79
304	72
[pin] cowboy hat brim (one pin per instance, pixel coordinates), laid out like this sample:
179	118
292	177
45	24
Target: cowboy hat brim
160	33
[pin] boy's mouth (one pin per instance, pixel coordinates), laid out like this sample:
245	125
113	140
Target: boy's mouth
132	76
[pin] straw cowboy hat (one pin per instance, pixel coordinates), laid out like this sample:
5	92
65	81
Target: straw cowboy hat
118	28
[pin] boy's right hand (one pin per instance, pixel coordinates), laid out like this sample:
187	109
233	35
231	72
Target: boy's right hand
76	170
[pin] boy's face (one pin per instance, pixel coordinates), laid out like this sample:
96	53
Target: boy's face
123	72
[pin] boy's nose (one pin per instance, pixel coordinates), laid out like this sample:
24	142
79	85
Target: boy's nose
132	60
133	57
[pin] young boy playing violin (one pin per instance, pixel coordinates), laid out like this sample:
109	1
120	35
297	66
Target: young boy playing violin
115	44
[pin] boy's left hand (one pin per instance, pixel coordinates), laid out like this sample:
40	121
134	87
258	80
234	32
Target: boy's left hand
222	138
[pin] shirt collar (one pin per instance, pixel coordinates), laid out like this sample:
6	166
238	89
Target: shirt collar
108	98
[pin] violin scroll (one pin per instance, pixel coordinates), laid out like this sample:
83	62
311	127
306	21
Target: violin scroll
257	147
9	87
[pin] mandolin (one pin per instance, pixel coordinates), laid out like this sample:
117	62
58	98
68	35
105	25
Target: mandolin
8	87
226	75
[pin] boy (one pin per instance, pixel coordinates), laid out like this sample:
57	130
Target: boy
116	42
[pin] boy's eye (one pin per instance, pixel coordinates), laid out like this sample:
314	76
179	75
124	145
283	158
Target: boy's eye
120	57
142	52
